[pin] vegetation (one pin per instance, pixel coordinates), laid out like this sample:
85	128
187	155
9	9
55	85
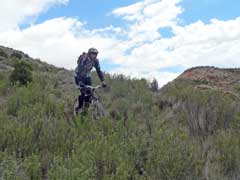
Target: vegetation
22	73
16	55
183	133
154	85
3	53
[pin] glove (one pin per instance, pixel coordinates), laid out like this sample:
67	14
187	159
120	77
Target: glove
104	85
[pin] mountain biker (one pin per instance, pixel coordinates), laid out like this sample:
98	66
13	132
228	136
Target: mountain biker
86	62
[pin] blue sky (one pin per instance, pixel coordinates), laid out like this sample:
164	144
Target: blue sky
208	9
138	38
97	14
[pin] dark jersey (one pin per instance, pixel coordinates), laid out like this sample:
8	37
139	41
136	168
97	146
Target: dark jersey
85	66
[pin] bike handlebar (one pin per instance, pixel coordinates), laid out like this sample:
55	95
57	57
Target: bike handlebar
91	87
94	87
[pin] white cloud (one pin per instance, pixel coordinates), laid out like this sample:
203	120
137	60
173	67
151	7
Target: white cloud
216	43
148	16
161	76
14	12
59	41
131	12
142	52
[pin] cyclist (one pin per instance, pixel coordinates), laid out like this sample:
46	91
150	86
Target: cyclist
86	62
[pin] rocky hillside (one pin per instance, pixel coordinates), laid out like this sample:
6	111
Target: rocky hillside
206	101
204	93
65	77
226	80
8	55
187	130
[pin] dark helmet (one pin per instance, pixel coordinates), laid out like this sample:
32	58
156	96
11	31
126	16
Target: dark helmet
93	50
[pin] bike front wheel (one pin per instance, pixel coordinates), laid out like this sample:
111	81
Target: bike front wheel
98	111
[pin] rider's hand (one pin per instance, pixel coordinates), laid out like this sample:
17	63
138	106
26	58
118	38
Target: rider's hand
104	85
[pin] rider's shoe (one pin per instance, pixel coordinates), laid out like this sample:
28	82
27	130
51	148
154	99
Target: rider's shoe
78	110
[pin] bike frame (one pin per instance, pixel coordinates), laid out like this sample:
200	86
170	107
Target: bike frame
92	90
96	105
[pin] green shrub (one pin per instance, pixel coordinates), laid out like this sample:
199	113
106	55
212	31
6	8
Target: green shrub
154	85
227	145
4	84
16	55
3	53
22	73
3	87
237	88
173	156
136	141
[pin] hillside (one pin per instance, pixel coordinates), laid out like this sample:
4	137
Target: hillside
227	80
190	129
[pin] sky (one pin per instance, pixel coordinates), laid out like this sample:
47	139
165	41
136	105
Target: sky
138	38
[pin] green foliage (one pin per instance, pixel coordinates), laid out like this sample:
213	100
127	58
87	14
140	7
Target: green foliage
173	155
4	84
16	55
22	73
135	141
3	53
215	158
202	110
154	85
237	88
227	146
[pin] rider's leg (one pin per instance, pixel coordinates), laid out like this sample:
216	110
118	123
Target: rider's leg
81	100
79	109
81	97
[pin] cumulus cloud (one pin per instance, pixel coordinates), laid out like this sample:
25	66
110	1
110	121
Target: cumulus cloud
134	72
59	41
148	16
14	12
214	44
143	52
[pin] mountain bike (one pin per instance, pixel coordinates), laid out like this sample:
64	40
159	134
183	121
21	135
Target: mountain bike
93	106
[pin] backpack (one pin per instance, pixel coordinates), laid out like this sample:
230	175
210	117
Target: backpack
82	58
84	67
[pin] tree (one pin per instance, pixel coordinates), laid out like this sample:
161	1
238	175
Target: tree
154	85
22	73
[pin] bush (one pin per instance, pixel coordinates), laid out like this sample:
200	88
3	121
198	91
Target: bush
3	87
22	73
227	146
3	53
173	155
135	142
16	55
4	84
154	85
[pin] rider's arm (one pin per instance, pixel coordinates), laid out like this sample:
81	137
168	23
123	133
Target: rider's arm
98	69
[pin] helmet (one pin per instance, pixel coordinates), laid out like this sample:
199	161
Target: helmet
92	50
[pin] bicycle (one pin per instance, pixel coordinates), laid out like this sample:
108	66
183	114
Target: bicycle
94	105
